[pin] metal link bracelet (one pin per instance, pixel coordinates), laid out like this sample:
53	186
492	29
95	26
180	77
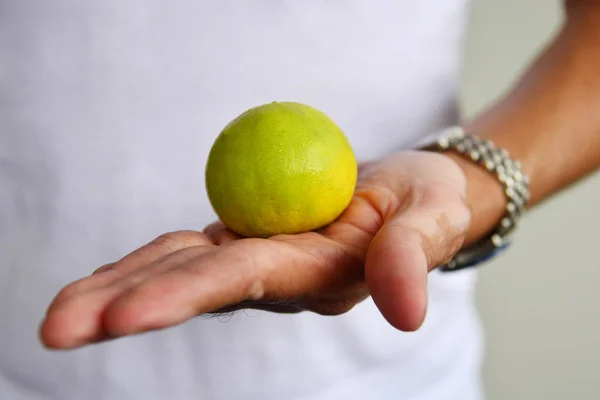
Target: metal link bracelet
508	172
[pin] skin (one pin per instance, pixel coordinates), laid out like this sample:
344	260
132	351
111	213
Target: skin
411	212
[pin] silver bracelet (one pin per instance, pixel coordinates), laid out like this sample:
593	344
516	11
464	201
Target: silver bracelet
516	187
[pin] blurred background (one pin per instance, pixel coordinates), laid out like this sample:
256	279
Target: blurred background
540	302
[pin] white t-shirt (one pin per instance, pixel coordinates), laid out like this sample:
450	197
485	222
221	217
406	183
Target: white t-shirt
108	109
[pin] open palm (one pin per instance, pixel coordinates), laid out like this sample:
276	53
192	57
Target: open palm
407	217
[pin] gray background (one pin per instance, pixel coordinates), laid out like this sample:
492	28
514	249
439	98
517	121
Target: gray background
539	303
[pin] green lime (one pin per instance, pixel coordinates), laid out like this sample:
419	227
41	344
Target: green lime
280	168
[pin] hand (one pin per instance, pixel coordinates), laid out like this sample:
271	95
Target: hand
408	216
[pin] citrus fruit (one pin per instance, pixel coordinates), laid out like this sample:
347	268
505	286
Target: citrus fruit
280	168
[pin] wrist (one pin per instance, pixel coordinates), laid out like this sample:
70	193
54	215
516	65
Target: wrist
485	198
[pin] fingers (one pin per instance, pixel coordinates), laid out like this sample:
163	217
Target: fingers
175	288
206	283
80	318
145	255
408	246
72	317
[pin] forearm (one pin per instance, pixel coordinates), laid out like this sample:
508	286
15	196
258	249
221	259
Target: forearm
550	121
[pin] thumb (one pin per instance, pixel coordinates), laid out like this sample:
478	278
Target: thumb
405	249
